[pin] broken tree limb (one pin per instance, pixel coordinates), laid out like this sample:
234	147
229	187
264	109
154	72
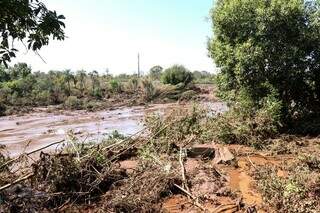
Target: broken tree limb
16	181
183	171
226	207
124	140
195	201
30	153
254	166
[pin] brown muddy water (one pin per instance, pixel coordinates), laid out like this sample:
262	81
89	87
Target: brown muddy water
32	131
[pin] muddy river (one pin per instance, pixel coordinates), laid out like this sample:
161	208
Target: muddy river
29	132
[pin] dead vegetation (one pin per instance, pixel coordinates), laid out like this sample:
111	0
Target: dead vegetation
175	155
293	185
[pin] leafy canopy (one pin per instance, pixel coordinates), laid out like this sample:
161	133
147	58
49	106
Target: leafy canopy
30	21
269	45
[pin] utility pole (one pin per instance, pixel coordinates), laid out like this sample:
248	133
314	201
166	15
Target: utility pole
138	65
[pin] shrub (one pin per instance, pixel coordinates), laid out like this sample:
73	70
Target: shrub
43	97
187	95
72	102
132	85
180	127
248	123
115	86
155	72
149	90
97	93
177	74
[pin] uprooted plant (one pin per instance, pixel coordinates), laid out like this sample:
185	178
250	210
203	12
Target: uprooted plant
180	128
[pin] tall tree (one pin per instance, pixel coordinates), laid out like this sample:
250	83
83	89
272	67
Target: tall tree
69	77
265	47
81	76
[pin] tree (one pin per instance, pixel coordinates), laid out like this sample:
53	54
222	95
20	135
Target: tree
30	21
96	88
20	70
4	75
177	74
264	47
81	76
68	77
155	72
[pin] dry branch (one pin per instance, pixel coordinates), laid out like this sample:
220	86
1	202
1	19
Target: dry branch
29	153
195	201
16	181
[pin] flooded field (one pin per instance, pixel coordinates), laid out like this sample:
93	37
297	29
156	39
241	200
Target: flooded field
28	132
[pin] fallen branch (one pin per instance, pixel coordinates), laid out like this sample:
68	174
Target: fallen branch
16	181
254	166
124	140
29	153
226	207
195	201
183	171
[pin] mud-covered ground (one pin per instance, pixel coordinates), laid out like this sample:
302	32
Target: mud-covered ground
148	173
31	131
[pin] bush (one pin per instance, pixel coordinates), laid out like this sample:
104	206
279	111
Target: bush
180	127
97	93
187	95
177	74
132	85
155	72
43	97
115	86
258	42
72	102
247	123
149	90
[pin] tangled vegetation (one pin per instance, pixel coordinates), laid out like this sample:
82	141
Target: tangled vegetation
298	191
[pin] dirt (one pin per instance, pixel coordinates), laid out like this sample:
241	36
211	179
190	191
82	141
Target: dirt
219	187
238	180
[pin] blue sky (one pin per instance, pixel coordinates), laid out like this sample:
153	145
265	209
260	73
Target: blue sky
109	34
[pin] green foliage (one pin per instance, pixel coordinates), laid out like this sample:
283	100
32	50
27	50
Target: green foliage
155	72
149	90
133	85
276	43
177	74
116	135
188	95
249	123
28	20
115	86
203	77
179	128
299	192
72	102
20	88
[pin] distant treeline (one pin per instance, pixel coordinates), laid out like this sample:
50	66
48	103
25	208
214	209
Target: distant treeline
19	86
